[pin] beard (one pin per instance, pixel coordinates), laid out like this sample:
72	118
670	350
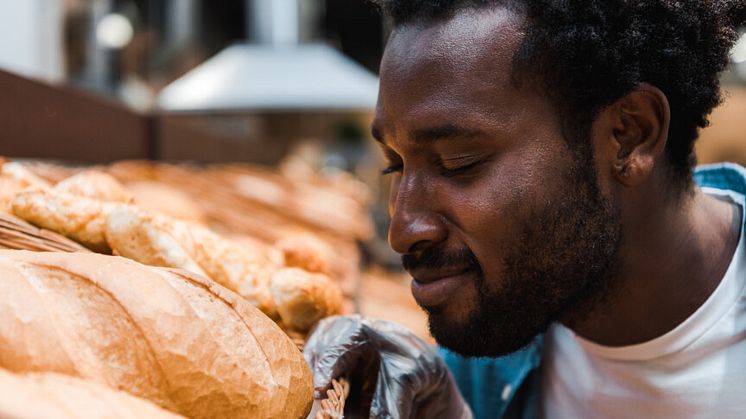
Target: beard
561	265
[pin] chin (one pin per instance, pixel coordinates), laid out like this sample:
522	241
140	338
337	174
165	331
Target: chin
475	335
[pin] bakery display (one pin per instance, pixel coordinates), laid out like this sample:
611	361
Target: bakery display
96	210
189	287
179	340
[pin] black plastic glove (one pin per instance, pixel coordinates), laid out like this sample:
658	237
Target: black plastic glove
393	373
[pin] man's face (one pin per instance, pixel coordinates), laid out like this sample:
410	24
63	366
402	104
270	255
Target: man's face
499	222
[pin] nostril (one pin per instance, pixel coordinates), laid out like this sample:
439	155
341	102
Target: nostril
418	248
417	234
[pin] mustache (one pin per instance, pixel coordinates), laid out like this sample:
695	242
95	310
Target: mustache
439	259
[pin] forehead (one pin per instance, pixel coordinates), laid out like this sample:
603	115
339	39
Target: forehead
461	64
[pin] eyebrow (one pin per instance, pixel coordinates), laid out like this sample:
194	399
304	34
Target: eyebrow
433	134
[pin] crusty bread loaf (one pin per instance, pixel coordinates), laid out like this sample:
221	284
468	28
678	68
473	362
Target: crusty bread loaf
78	218
17	172
177	339
9	188
56	396
97	185
305	251
162	241
303	298
135	235
163	199
230	264
14	178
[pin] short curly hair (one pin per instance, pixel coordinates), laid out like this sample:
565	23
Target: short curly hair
586	54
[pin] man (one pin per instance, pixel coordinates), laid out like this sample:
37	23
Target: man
541	157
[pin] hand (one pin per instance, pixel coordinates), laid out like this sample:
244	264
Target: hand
396	374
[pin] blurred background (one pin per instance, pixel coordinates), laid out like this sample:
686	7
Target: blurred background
286	88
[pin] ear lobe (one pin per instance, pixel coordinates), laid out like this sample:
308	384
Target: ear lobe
641	133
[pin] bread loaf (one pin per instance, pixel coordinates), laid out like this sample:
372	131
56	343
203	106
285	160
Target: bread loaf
303	298
78	218
135	235
163	241
9	188
56	396
14	179
25	178
97	185
163	199
177	339
305	251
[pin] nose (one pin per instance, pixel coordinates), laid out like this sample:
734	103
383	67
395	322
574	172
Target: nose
415	221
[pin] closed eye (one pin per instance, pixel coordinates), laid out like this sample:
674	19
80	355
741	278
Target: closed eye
392	169
458	166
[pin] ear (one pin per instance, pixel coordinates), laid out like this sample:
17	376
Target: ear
638	134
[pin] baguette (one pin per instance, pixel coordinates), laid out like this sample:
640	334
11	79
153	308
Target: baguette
24	177
161	198
305	251
174	338
78	218
97	185
135	235
303	298
162	241
56	396
14	178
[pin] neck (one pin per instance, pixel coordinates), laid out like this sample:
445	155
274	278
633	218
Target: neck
673	257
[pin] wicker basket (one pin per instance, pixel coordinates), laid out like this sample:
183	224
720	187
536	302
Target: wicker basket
334	405
20	235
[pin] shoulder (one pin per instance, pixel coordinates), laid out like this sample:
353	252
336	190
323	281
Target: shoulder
728	176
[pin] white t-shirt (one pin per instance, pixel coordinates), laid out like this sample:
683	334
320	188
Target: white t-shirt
697	370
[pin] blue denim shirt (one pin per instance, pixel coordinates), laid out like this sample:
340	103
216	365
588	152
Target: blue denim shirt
508	387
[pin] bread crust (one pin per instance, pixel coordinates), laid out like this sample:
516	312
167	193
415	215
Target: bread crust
56	396
162	241
78	218
305	251
161	198
25	178
15	178
175	338
95	184
134	234
303	298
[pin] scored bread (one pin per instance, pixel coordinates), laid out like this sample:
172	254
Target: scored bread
163	241
135	235
97	185
57	396
174	338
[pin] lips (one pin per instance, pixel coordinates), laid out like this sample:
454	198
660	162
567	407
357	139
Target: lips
433	288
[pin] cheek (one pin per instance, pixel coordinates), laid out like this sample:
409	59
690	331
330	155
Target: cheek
393	190
491	213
